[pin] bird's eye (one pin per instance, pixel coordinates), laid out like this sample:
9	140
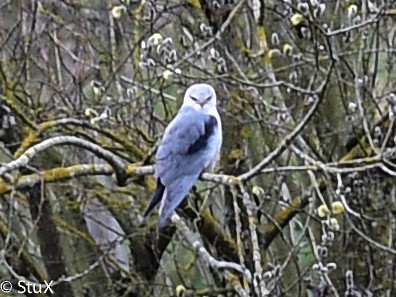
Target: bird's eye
193	98
208	98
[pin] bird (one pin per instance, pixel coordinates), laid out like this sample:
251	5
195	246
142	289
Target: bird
191	144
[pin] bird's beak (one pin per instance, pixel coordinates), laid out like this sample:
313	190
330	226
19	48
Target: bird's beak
203	101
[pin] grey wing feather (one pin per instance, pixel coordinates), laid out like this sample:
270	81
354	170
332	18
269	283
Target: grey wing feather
184	130
156	197
172	156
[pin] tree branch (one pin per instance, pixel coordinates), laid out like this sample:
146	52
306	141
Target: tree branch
26	157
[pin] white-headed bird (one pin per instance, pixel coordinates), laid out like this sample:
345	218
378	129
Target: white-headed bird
191	144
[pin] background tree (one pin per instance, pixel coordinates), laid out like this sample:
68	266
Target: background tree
303	201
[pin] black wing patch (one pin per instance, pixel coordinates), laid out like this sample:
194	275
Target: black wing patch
202	141
156	198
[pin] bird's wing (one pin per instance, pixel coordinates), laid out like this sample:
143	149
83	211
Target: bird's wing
181	157
184	146
156	197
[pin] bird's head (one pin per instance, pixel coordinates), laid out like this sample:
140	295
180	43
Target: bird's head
200	96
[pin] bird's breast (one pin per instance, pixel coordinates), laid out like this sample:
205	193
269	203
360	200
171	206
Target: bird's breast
213	148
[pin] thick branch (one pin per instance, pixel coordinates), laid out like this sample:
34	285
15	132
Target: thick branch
64	173
26	157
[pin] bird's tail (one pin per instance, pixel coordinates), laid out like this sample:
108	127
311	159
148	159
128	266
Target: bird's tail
175	193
